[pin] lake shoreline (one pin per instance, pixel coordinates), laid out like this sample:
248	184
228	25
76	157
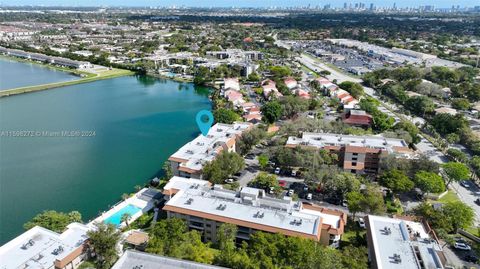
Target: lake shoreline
84	77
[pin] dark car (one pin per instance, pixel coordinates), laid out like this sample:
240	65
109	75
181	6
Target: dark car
477	201
471	258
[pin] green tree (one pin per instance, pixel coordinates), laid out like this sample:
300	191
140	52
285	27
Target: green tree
249	139
103	241
449	218
397	181
355	89
225	165
420	105
429	182
460	215
293	105
53	220
461	104
254	77
340	184
272	111
354	202
170	237
456	171
263	161
445	123
265	181
225	115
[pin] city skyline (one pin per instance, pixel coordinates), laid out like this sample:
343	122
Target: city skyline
245	3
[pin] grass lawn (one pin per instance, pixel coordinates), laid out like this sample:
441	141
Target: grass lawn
451	196
474	230
88	77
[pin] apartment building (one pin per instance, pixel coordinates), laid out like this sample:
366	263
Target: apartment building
205	208
188	161
357	154
398	243
42	248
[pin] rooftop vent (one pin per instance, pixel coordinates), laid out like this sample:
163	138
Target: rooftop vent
189	201
189	151
219	130
200	143
387	231
258	215
57	250
396	258
221	207
28	244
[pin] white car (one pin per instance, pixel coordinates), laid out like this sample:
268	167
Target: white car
290	192
229	180
465	184
461	246
361	223
277	170
309	196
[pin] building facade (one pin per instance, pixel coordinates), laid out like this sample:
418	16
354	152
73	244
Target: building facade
42	248
357	154
205	208
188	161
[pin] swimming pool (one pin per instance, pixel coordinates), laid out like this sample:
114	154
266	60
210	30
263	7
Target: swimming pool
116	218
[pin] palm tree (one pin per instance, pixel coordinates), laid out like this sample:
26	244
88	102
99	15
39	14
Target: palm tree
125	218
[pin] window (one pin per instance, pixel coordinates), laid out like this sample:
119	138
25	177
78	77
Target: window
354	158
354	163
355	154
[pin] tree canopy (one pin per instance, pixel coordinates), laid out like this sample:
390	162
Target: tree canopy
429	182
355	89
272	111
53	220
397	181
225	165
103	241
456	171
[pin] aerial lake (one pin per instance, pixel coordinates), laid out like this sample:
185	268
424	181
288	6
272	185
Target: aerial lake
81	147
15	74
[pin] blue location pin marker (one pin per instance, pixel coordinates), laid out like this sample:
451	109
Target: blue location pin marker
203	125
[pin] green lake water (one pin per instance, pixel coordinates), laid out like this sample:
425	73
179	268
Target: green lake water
136	123
15	74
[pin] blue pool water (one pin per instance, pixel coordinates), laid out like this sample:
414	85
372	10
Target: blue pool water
116	218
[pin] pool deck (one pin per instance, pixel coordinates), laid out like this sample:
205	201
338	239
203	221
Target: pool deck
133	200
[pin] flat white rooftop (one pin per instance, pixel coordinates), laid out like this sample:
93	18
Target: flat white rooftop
253	206
400	244
204	148
327	139
133	259
40	247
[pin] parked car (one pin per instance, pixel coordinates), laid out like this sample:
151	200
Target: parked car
461	246
229	180
277	170
471	258
465	184
282	183
361	223
477	201
309	196
294	173
290	192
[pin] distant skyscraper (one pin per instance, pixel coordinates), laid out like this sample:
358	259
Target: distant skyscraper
394	5
372	6
345	6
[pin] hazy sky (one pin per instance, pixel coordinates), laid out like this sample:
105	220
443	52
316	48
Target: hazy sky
239	3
